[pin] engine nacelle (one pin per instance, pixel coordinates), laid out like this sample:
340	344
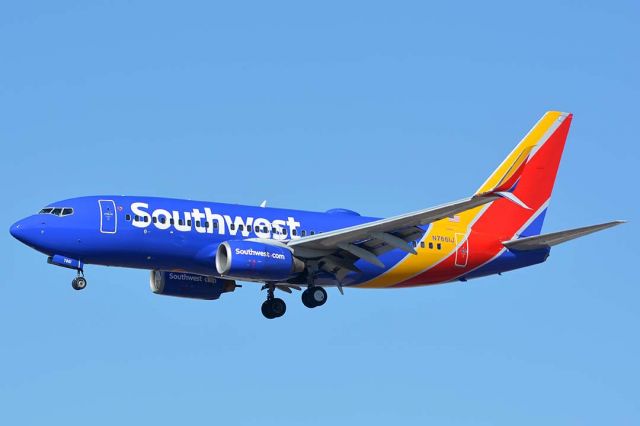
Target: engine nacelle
181	284
254	260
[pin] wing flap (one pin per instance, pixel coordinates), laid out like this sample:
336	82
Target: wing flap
554	238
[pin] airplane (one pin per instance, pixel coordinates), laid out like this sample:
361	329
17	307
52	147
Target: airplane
199	250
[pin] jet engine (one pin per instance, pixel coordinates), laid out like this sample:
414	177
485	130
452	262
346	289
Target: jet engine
192	286
252	260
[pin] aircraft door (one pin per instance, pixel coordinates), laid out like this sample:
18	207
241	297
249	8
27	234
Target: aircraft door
108	217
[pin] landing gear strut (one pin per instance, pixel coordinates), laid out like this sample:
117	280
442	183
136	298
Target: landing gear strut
79	282
314	296
273	307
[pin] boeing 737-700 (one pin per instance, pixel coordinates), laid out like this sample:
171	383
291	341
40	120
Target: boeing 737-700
198	249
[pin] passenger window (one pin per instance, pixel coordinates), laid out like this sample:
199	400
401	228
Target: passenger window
240	227
414	243
155	219
232	227
284	232
439	246
145	219
303	233
431	246
294	232
215	225
312	232
206	225
197	224
180	222
189	222
249	228
136	218
421	244
127	217
265	229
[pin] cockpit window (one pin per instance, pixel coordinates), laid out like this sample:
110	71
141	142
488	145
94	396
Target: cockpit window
57	211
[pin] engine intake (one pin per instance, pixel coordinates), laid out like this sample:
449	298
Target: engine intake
182	284
256	261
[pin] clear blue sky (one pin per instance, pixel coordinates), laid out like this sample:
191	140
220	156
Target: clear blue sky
379	107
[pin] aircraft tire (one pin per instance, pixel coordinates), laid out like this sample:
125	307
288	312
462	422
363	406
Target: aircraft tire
79	283
273	308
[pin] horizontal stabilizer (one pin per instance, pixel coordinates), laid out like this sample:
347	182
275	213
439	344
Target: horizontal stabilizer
548	240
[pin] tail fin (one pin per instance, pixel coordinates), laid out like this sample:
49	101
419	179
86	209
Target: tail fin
528	173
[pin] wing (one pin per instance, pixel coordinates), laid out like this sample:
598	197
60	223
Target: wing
337	251
554	238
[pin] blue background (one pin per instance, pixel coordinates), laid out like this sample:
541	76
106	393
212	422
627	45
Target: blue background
379	107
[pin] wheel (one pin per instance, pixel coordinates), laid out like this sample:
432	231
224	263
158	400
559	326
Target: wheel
266	310
314	296
318	295
79	283
278	307
273	308
306	299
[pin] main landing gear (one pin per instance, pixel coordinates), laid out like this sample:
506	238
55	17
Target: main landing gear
314	296
79	282
273	307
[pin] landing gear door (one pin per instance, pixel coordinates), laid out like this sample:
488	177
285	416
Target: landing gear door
108	217
462	252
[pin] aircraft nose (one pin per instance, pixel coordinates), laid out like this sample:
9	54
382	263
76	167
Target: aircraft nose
17	230
24	231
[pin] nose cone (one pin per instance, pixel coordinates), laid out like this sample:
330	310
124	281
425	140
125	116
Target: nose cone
25	231
17	231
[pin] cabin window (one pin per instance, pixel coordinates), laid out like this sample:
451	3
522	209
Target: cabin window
240	228
294	232
431	246
249	228
414	243
439	246
145	219
421	244
284	231
312	233
171	221
163	220
189	222
215	225
206	225
180	222
154	219
197	224
127	217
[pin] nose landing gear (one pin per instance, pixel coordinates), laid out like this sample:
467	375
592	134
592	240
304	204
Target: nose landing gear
79	282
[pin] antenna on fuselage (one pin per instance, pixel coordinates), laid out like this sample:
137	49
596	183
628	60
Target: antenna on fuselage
263	204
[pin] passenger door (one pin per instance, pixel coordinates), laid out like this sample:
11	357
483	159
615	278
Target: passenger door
108	217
